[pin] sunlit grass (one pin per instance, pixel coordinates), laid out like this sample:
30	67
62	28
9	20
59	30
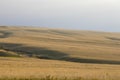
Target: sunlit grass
46	78
52	46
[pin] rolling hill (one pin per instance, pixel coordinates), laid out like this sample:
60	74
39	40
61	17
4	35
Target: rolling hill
28	53
59	44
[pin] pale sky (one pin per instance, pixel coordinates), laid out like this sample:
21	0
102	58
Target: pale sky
102	15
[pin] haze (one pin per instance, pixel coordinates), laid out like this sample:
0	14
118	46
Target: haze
101	15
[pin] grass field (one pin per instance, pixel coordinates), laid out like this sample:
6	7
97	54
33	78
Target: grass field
32	53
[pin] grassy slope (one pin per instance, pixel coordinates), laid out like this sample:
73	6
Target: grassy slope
80	44
37	68
73	46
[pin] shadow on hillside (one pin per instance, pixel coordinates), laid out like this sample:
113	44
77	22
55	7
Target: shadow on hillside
44	53
3	26
38	52
113	38
93	61
5	34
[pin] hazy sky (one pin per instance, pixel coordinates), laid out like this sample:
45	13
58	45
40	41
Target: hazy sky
73	14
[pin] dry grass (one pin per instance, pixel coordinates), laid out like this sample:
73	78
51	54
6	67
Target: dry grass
36	68
85	44
97	47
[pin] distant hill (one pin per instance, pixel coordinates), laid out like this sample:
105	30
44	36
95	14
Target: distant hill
59	44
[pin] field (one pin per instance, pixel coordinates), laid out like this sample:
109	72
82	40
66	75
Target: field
34	53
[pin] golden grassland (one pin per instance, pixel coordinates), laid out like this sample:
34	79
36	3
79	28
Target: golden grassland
85	44
36	68
59	53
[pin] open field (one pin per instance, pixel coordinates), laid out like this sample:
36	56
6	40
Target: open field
36	68
38	52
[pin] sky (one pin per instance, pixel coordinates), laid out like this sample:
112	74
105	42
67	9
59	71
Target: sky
100	15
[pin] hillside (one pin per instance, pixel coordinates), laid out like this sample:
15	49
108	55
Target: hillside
59	44
28	53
